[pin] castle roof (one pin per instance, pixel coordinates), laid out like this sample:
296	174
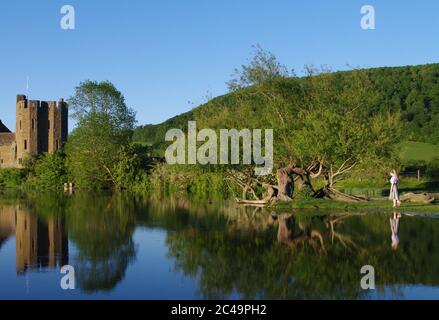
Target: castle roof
3	128
7	138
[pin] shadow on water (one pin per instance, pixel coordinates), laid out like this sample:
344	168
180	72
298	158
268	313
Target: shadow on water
225	250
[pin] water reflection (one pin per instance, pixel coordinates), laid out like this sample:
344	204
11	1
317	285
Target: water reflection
293	233
103	234
394	228
222	250
302	255
38	244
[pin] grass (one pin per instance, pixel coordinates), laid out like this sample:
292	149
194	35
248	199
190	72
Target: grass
405	183
373	205
418	151
372	188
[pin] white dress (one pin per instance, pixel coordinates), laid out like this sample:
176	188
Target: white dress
394	194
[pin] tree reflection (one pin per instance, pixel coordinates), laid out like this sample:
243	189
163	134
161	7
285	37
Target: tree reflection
260	255
332	222
99	274
102	229
294	234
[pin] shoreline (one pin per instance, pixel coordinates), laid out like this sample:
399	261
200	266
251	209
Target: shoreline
319	204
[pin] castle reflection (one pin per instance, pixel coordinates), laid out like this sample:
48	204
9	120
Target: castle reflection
38	244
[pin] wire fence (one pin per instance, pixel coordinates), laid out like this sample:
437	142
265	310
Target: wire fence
417	174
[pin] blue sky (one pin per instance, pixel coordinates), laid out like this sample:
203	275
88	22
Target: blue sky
167	56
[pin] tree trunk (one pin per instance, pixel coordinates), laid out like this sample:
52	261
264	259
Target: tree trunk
304	181
285	182
270	194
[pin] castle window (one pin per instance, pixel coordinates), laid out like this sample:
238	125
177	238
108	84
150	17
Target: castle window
20	124
33	124
1	161
25	144
20	161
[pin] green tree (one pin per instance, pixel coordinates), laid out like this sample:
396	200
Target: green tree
92	97
324	126
105	125
333	129
263	67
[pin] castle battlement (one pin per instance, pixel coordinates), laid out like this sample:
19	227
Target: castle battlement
41	127
23	102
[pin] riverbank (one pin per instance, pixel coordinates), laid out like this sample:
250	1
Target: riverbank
375	205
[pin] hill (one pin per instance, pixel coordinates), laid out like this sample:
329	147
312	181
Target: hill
411	151
411	91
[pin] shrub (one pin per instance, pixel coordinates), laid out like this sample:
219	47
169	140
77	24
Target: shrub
11	178
49	172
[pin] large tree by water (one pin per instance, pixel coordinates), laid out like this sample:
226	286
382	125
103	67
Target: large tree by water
104	129
326	125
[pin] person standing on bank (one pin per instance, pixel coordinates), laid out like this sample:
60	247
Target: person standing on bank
394	194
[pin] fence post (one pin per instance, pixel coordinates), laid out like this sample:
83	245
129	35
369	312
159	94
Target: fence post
419	175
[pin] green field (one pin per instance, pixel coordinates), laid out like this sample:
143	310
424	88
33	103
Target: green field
418	151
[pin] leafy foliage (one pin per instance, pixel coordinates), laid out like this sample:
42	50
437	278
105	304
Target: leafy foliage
92	97
49	173
262	68
103	130
11	178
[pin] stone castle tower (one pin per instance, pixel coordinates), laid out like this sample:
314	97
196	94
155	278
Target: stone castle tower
41	126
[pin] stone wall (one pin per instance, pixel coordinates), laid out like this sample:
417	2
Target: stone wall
7	150
41	126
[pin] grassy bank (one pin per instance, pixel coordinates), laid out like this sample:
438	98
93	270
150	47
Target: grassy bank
373	205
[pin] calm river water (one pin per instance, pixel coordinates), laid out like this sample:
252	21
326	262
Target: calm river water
125	247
